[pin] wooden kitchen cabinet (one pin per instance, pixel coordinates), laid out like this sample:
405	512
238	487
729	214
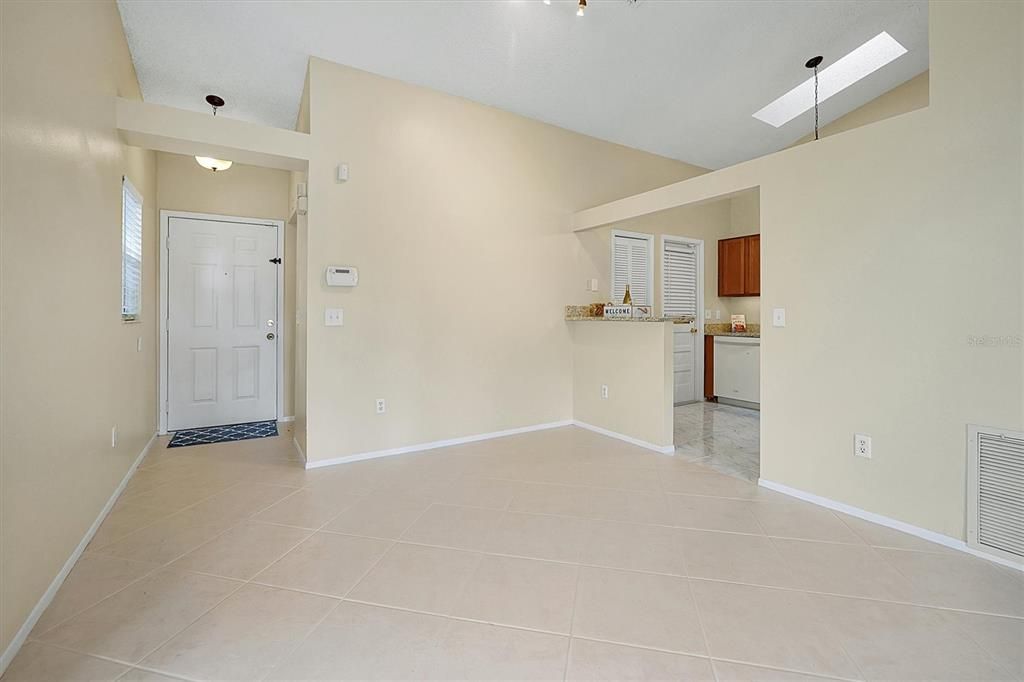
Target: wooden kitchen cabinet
739	266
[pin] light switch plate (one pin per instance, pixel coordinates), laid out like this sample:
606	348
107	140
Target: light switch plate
334	317
778	317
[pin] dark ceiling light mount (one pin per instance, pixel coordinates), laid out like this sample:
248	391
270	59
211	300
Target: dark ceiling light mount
814	63
215	101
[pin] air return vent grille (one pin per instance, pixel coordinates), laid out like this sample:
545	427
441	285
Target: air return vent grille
995	491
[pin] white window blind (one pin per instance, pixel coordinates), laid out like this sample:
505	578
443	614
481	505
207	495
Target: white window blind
131	251
679	279
631	263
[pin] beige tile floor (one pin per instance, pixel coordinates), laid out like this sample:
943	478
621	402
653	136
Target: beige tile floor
553	555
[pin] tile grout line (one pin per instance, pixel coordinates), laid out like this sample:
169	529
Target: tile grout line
572	622
700	623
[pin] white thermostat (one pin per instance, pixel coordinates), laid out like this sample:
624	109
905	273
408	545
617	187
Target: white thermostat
342	276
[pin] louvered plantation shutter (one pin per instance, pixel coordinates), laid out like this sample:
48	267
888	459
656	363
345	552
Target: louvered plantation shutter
131	251
680	279
631	262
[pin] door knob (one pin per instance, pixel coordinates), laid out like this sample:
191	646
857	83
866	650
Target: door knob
270	336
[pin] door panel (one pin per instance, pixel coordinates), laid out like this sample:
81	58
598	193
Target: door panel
752	269
221	305
684	363
731	256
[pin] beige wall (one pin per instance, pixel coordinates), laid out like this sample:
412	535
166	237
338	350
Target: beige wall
908	96
69	370
301	287
708	222
890	246
244	191
639	402
454	214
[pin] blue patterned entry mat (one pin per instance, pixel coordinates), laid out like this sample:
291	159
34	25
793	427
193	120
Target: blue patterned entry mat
222	434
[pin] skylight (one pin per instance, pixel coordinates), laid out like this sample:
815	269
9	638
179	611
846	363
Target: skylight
846	71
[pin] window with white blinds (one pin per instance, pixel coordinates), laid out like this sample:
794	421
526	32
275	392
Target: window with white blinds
679	278
631	264
131	251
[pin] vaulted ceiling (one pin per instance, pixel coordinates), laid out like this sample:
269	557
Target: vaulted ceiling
677	78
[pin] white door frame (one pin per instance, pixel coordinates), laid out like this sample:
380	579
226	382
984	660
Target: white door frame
278	225
698	343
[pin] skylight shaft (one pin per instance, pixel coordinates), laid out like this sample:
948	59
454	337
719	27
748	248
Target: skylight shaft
861	62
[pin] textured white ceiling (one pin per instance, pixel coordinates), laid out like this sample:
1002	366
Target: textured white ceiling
678	78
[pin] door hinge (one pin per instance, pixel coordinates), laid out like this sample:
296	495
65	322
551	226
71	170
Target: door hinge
167	244
275	261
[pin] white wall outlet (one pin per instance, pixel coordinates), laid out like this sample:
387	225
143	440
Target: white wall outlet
862	445
382	406
334	317
342	172
718	314
592	284
604	390
113	436
778	317
707	314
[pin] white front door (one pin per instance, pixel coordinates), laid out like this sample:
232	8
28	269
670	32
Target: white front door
684	357
221	322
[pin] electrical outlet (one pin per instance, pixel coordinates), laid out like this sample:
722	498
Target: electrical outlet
382	406
113	436
604	390
862	445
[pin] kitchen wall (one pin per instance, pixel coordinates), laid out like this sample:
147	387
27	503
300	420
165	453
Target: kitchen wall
246	191
894	248
69	369
639	402
708	221
455	214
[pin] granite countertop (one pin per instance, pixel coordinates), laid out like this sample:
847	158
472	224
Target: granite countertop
583	318
749	335
581	313
725	329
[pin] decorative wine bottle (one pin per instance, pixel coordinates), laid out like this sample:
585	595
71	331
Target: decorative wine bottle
627	299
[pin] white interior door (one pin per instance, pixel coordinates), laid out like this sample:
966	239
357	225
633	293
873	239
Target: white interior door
684	365
222	317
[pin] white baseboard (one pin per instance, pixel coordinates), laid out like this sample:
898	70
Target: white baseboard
51	591
923	533
285	420
433	445
663	449
298	448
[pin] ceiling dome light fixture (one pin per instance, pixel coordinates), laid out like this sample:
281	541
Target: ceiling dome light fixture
209	162
582	6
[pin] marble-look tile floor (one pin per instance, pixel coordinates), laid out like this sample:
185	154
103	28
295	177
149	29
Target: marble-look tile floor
551	555
723	437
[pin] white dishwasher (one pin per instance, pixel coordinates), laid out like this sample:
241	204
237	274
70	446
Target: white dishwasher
738	368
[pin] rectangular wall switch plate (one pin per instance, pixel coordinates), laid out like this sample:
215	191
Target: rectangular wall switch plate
334	317
778	317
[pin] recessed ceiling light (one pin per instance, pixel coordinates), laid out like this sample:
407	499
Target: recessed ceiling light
846	71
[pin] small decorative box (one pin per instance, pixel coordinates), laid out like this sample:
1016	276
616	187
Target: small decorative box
642	312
